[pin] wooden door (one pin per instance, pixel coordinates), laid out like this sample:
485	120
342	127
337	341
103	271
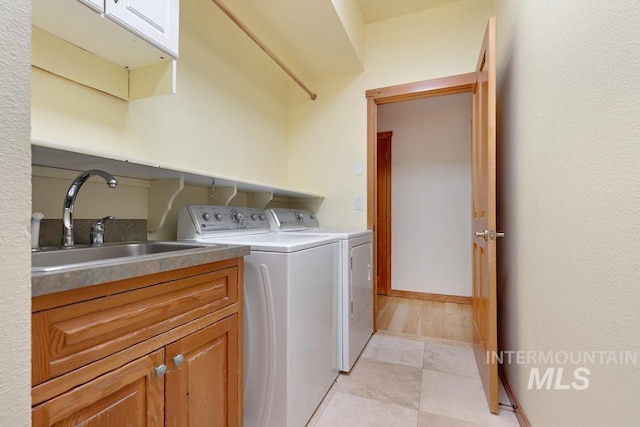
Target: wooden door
383	277
132	395
203	378
484	216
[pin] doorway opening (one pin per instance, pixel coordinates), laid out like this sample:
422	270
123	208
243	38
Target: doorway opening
379	193
482	84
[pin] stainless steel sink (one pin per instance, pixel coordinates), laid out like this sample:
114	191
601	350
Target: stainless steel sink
57	258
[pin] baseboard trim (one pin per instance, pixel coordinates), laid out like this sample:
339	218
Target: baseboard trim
520	415
429	297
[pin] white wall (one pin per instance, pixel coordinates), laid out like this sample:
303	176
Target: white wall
15	200
431	193
569	199
229	116
328	137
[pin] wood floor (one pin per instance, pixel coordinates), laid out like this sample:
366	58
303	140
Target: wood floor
424	318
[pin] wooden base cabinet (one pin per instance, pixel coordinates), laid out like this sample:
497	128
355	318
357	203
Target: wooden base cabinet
186	374
202	388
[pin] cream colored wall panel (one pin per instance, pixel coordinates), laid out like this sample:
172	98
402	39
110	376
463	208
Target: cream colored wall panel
153	80
437	42
15	212
309	36
328	137
64	59
324	146
129	200
349	13
188	195
431	194
65	111
569	199
95	200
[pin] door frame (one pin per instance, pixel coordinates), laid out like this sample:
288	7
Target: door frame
385	289
451	85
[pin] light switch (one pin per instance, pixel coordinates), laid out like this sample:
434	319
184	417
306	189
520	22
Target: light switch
358	203
359	169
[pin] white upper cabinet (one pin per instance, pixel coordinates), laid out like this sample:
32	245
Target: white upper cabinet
98	5
154	20
113	29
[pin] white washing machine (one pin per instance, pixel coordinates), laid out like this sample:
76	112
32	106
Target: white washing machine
290	289
355	302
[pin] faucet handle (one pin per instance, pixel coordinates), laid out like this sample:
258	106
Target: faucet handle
101	221
97	230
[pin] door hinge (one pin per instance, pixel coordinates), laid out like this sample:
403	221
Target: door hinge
351	262
351	307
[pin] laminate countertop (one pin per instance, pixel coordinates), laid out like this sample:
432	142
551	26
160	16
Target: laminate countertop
48	282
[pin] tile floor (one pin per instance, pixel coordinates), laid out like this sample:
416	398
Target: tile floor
410	381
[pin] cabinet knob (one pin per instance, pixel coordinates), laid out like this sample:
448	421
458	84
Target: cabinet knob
161	370
178	359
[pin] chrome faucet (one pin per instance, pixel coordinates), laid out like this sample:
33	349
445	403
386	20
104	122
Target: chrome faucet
70	199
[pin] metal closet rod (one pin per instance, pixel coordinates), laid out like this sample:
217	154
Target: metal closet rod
264	47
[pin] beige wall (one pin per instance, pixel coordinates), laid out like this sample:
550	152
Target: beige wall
129	200
15	199
228	117
569	198
431	193
95	199
328	137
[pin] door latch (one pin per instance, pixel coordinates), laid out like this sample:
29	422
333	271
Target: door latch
489	234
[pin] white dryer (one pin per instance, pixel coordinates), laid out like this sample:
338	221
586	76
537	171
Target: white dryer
355	303
289	315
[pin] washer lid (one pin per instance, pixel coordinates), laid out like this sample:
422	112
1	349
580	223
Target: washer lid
277	242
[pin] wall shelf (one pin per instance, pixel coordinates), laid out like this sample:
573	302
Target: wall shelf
163	177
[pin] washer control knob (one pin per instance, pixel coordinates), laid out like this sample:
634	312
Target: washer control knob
206	216
238	216
262	217
312	216
218	216
254	217
299	217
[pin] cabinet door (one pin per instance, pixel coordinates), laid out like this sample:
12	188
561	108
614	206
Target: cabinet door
203	379
97	5
155	20
128	396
